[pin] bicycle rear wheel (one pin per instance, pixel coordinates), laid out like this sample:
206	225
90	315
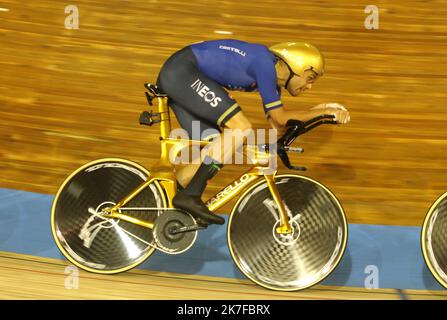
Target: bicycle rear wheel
287	262
434	239
94	243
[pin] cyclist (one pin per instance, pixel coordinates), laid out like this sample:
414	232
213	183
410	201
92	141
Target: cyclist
195	79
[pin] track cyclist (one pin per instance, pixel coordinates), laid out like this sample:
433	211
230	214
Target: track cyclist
196	79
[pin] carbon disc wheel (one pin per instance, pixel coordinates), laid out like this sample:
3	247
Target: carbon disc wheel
92	242
434	240
294	261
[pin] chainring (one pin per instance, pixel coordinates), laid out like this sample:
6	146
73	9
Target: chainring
174	243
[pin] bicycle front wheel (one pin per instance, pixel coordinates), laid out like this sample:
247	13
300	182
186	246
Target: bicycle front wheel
287	262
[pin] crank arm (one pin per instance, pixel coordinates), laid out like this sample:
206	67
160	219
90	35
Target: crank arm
187	229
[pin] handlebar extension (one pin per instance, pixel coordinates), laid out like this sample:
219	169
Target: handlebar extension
296	128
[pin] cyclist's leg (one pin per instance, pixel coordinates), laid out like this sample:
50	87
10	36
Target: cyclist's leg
201	96
194	95
197	129
174	79
221	148
218	147
195	177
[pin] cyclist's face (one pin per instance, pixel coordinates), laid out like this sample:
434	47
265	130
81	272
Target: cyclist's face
299	84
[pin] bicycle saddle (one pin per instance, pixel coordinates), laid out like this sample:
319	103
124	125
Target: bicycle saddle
156	91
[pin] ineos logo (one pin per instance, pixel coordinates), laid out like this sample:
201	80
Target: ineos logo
203	91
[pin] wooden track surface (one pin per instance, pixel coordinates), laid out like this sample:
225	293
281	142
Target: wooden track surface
71	96
28	277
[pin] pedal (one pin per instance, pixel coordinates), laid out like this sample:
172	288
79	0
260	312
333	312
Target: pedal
175	231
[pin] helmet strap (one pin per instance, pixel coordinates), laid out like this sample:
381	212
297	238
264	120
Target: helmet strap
291	74
288	80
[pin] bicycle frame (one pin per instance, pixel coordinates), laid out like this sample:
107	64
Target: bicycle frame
163	171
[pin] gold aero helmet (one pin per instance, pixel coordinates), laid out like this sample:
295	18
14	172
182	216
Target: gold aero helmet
299	57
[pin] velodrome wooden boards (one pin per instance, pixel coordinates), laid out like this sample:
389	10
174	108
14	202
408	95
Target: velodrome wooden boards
71	96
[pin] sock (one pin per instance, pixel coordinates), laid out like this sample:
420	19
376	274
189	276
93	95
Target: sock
205	172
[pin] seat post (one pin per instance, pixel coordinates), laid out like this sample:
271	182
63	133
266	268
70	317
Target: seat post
165	130
165	124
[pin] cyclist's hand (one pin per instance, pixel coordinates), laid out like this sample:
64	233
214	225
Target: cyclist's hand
341	116
333	105
340	112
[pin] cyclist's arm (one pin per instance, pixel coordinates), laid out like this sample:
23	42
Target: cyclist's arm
280	116
264	72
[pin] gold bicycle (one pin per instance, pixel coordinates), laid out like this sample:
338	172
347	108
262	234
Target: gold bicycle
286	232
